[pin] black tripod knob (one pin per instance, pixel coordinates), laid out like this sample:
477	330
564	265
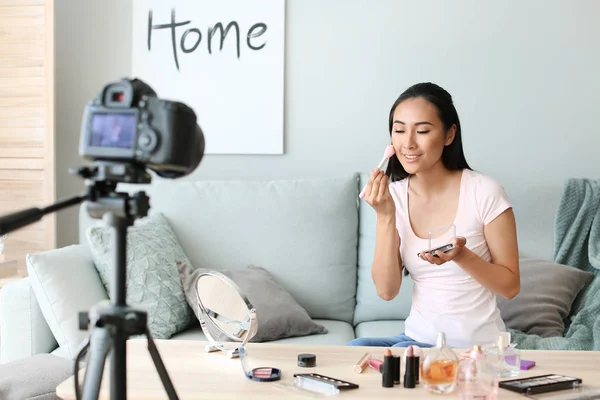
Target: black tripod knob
84	172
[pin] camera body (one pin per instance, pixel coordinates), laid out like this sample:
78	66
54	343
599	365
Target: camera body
128	123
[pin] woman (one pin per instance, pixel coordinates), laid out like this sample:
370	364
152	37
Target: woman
433	186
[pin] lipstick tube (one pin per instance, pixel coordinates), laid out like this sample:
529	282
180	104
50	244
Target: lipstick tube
376	364
417	369
396	370
410	379
387	379
360	366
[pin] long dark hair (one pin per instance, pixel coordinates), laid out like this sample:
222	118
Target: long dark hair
453	156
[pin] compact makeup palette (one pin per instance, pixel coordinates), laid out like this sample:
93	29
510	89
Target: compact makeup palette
541	384
326	384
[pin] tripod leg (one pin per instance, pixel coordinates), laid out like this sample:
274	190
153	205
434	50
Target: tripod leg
118	295
118	364
100	343
160	368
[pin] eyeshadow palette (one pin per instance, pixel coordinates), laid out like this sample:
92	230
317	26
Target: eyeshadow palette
336	383
541	384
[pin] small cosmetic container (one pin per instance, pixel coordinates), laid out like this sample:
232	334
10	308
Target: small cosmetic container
505	359
307	360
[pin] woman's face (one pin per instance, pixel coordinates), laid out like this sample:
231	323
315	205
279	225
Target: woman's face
418	135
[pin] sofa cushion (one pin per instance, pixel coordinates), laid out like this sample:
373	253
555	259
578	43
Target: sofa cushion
369	306
23	328
65	283
34	378
547	293
303	232
379	328
339	333
278	314
152	279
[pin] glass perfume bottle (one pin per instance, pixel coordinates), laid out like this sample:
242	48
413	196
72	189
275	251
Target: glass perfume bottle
477	377
505	359
439	370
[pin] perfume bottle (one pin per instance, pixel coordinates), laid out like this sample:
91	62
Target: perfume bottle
477	378
505	359
439	370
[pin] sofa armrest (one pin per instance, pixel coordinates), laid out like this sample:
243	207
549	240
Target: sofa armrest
23	329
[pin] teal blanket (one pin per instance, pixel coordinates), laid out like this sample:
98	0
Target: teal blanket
577	243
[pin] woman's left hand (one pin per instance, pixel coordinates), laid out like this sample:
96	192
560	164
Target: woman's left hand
440	258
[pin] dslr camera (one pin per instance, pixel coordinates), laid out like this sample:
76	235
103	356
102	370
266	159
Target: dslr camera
127	123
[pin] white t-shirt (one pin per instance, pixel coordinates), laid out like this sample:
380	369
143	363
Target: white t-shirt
446	298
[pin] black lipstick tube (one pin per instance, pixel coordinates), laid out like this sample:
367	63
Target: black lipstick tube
417	369
410	378
387	378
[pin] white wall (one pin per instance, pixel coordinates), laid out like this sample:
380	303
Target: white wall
91	50
524	75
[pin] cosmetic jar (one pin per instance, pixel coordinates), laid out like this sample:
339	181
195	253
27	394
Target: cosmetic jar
307	360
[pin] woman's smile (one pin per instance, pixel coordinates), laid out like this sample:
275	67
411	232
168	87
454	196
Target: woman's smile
411	157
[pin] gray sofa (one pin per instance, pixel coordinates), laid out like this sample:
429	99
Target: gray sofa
313	235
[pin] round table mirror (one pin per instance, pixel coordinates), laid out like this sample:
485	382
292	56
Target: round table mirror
227	317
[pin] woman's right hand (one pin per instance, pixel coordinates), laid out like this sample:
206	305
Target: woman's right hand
377	194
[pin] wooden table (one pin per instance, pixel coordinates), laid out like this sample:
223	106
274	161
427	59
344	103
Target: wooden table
199	375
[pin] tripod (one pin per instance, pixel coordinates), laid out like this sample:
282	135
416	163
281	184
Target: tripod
114	322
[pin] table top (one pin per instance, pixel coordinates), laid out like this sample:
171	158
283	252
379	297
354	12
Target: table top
200	375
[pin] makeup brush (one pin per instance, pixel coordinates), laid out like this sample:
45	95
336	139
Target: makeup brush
389	151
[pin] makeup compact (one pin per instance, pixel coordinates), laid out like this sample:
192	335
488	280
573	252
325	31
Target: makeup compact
440	240
259	374
315	385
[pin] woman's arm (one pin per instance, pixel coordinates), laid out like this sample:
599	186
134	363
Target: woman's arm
386	270
502	275
387	264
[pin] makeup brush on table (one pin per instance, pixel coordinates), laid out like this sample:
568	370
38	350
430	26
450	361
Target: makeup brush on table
389	151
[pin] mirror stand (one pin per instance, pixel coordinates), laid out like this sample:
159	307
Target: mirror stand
245	331
231	353
227	315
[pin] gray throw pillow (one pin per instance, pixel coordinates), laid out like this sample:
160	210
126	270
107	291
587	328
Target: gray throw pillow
152	279
547	293
279	315
35	377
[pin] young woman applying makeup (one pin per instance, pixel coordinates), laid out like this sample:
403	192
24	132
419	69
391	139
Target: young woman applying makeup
428	184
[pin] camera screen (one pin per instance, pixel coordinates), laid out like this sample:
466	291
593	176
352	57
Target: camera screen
113	130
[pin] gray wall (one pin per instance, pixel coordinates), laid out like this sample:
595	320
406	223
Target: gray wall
524	75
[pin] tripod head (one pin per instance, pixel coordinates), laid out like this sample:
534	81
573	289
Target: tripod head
102	180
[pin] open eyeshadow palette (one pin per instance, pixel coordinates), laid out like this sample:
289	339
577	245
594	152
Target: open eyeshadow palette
541	384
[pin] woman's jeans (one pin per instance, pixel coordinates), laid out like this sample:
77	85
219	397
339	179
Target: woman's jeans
400	340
